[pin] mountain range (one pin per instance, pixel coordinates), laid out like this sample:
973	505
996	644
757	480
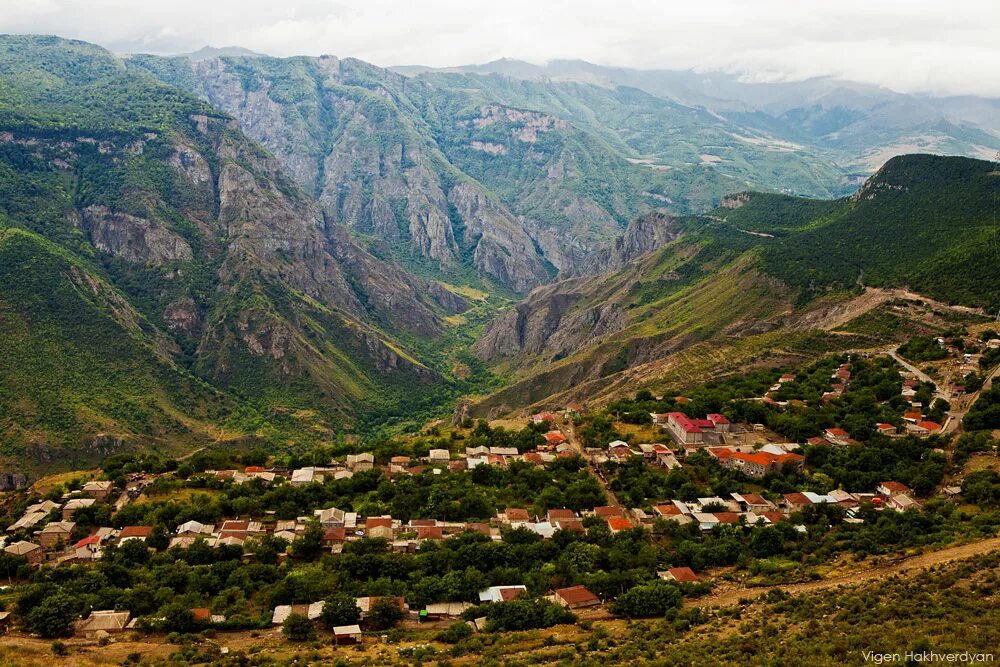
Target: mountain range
231	247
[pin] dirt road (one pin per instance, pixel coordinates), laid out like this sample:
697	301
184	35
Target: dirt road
905	567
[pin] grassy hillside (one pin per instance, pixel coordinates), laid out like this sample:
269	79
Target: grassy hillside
165	281
752	278
77	357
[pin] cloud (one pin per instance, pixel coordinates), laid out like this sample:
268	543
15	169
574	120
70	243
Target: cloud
912	46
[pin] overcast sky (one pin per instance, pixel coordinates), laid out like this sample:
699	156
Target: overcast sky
943	47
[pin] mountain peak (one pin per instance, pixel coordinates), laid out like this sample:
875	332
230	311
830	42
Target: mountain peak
209	52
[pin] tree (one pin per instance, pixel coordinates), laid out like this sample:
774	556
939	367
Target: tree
385	613
309	545
53	616
299	628
339	609
177	618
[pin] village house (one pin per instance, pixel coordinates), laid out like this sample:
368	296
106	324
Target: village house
347	634
304	476
331	517
684	575
752	502
576	597
901	502
56	533
923	429
438	456
28	520
134	533
575	525
837	436
554	438
504	451
793	502
88	549
889	489
283	611
98	490
194	529
557	514
617	524
359	462
674	511
102	623
441	610
502	593
619	450
543	418
513	515
687	431
74	504
425	533
379	527
885	429
606	511
31	552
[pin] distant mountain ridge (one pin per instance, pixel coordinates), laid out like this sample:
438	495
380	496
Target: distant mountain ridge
861	125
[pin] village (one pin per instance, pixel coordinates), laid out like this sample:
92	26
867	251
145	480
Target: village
59	531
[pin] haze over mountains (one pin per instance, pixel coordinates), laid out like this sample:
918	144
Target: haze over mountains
859	124
284	249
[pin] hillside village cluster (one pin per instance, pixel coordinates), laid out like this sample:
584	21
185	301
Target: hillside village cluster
46	534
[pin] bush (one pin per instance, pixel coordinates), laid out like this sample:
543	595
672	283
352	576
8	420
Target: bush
653	599
455	633
525	615
299	628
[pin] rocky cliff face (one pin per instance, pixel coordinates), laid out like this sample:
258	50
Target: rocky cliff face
344	138
549	325
643	235
132	238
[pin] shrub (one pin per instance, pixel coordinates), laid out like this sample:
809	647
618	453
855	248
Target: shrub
455	633
525	615
652	599
299	628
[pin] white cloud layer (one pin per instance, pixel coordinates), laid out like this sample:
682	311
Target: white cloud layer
941	47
